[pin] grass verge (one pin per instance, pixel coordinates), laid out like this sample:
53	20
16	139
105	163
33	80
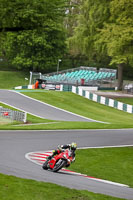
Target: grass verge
66	100
11	79
126	100
82	106
114	164
21	189
4	121
30	118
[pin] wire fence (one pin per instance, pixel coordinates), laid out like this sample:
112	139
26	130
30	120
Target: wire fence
13	115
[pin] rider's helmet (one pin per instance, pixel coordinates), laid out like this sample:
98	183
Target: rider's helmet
73	146
59	147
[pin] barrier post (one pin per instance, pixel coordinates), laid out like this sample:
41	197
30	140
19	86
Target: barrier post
25	117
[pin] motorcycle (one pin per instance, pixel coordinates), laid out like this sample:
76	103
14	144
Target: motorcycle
59	161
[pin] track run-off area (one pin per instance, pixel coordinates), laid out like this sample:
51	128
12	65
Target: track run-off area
14	145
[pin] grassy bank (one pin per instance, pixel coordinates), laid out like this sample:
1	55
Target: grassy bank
126	100
79	105
114	164
11	79
63	126
109	164
21	189
82	106
30	118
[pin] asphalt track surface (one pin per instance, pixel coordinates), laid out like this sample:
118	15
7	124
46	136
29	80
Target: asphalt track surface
15	144
38	108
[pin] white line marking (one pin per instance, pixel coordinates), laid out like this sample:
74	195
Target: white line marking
36	124
71	130
40	157
22	110
100	147
57	108
97	179
27	155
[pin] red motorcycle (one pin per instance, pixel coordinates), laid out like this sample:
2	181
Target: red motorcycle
59	161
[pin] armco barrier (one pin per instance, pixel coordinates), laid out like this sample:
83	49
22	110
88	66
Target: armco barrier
103	100
13	115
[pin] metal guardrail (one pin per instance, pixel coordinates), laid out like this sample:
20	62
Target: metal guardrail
13	115
70	70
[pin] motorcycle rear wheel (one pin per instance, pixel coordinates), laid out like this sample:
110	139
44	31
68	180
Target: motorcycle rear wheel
58	167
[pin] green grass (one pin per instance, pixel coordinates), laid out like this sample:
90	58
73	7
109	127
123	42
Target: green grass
126	100
114	164
12	188
110	164
11	79
6	124
83	106
63	126
30	118
4	120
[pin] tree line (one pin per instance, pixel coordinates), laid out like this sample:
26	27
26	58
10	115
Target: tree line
34	35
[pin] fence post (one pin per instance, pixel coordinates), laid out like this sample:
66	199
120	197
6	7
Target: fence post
25	117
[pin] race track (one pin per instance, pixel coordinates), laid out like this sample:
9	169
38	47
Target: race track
38	108
15	144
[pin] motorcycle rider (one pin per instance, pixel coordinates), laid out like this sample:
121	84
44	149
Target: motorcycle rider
61	148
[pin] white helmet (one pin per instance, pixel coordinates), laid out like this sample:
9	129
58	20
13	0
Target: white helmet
73	146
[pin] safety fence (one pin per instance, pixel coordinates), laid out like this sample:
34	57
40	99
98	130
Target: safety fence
103	100
13	115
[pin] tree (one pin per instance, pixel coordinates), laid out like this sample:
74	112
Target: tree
91	18
105	33
32	35
72	11
117	36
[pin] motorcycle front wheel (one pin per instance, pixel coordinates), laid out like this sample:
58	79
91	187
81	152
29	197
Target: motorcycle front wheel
59	165
44	166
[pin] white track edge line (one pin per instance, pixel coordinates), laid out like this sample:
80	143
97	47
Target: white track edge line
84	175
58	108
69	130
22	110
100	147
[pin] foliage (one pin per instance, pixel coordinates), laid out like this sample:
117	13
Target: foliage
32	33
105	28
91	18
104	33
72	12
117	34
